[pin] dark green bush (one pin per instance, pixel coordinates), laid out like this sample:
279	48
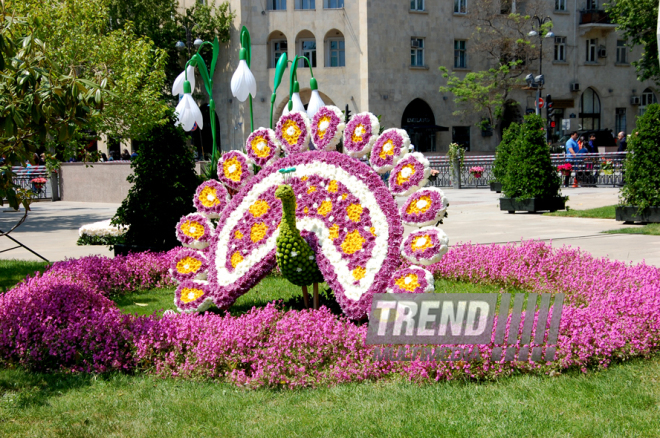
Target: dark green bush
530	173
504	151
642	166
164	183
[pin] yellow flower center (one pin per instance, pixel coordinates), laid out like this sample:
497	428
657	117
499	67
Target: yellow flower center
260	147
373	231
354	212
359	273
291	132
236	258
344	196
333	186
419	206
232	169
358	132
352	242
409	282
187	265
420	243
258	231
323	125
304	178
193	229
405	173
259	208
387	150
306	210
325	208
189	294
311	189
334	232
238	235
208	197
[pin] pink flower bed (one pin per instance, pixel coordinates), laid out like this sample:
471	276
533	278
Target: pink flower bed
611	312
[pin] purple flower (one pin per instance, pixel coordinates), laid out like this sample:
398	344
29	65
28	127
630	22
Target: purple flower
194	231
360	134
390	147
234	169
327	128
425	207
293	131
425	246
188	264
211	198
410	174
262	147
411	280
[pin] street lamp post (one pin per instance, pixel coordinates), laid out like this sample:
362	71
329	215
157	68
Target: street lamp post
540	21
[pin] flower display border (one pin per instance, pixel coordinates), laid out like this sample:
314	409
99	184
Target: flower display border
424	278
304	124
417	180
336	128
189	241
272	143
359	150
430	216
220	192
182	253
401	142
247	172
438	247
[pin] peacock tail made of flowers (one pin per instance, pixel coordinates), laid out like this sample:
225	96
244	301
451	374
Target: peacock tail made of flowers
343	209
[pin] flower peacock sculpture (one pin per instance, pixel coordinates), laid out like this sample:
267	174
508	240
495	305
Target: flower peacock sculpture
318	214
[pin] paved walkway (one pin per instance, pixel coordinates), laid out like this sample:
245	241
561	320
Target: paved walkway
474	216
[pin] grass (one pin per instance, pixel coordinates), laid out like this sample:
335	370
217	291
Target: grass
598	213
648	229
13	271
621	401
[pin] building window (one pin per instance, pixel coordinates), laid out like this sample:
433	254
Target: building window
560	49
620	120
592	5
648	98
592	50
277	5
621	52
460	57
460	6
201	2
416	5
305	4
417	52
461	136
507	6
278	48
560	5
308	50
590	110
336	53
333	4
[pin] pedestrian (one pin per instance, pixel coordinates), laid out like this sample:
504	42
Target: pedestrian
104	157
593	149
623	143
571	152
125	155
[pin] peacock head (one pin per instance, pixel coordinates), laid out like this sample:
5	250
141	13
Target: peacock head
285	193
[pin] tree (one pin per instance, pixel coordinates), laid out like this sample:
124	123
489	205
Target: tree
642	188
637	19
533	175
164	183
504	149
39	98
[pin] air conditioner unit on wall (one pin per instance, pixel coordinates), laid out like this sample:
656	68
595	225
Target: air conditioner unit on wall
575	86
414	43
634	100
602	52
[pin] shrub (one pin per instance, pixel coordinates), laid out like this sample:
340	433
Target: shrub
642	188
501	163
533	175
164	183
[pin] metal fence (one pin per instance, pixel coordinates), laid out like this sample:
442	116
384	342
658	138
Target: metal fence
592	170
25	177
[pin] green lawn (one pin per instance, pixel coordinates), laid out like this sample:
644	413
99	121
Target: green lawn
13	271
649	229
599	213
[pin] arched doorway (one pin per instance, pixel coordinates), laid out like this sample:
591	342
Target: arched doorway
589	110
419	121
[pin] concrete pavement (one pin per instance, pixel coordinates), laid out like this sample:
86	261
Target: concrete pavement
474	216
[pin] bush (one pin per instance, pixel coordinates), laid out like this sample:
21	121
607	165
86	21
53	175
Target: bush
164	183
533	175
642	164
501	163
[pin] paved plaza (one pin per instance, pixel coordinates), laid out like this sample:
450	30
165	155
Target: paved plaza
474	216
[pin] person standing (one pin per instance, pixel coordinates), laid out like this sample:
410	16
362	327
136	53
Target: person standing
571	152
623	143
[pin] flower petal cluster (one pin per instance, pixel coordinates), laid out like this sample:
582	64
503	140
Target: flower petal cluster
293	132
424	207
188	114
194	231
234	169
243	83
411	280
425	246
211	198
262	147
410	174
188	264
327	128
360	134
390	147
193	295
102	229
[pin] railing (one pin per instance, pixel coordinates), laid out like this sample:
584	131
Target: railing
594	16
24	176
593	170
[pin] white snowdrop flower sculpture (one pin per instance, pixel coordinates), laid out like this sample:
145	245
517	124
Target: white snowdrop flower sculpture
177	87
315	102
187	112
243	83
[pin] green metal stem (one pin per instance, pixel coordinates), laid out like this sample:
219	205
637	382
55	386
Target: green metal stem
215	144
251	116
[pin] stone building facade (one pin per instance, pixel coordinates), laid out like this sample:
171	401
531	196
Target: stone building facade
383	56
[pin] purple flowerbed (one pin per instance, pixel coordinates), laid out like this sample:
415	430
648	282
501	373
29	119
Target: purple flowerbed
62	321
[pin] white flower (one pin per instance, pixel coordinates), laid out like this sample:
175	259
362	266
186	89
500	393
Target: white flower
177	87
315	103
243	82
188	113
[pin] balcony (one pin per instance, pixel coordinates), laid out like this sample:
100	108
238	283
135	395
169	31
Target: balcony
595	19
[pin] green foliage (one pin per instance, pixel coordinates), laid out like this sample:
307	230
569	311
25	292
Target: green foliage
533	175
99	240
164	183
637	20
648	229
14	271
456	152
503	154
607	212
40	98
642	188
